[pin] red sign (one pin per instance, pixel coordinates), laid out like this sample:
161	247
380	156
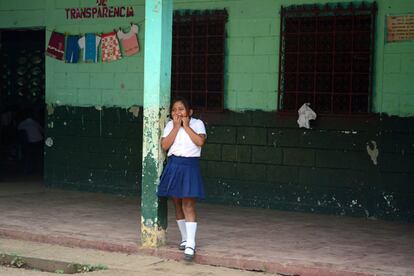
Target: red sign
101	11
101	2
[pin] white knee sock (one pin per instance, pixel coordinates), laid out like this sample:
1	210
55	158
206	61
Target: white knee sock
181	226
191	228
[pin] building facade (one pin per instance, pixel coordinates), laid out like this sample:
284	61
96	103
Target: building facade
356	159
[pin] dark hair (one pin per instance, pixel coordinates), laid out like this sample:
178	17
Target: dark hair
182	100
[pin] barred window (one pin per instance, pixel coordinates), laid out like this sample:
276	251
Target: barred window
326	57
198	58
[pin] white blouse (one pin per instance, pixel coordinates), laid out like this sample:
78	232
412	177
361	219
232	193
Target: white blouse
183	145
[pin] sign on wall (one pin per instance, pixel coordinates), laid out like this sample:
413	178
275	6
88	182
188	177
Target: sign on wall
400	28
102	10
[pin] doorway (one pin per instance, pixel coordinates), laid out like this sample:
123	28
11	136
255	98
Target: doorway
22	103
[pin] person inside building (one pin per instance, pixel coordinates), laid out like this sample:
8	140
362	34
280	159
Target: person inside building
30	136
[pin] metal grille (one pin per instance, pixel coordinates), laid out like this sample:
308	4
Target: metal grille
22	68
326	57
198	58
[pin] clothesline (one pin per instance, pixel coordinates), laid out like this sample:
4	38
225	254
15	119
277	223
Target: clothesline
139	23
67	47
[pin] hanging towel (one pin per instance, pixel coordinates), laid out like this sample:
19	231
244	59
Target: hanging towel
56	46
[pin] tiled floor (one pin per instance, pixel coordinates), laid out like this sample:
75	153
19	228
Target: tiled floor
284	242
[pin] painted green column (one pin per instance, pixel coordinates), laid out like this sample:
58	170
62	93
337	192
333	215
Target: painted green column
157	82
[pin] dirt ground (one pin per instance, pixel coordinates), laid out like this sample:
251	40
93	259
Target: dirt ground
117	263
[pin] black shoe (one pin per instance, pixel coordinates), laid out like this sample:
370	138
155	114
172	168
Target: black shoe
189	257
181	246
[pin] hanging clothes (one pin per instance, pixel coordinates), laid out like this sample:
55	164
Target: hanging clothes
110	47
56	46
129	40
72	49
89	43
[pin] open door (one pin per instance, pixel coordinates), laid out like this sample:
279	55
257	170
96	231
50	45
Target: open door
22	102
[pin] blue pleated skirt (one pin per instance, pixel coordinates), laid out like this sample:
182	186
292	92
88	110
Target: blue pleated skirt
181	178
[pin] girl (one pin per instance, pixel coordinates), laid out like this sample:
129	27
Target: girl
183	137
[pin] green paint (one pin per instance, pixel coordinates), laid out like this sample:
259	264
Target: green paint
250	83
153	209
316	165
323	170
219	134
94	150
234	153
157	79
252	46
251	135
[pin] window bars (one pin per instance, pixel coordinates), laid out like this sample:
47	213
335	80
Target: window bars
326	57
198	58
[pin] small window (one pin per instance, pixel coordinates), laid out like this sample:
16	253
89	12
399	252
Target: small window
326	57
198	58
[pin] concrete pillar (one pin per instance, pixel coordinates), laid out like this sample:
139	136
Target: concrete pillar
157	83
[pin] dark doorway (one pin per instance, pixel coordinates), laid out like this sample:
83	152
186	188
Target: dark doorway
22	102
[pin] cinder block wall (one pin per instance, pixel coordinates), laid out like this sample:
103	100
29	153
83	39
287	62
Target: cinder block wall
97	150
260	159
252	158
252	52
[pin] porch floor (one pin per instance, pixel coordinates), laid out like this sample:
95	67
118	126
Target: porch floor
256	239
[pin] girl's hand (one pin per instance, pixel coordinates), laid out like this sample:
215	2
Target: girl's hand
186	121
177	121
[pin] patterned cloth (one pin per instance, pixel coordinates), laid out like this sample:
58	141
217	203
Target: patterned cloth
110	47
129	40
56	46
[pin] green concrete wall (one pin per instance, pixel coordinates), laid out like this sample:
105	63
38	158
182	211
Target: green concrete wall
116	84
253	159
93	149
394	65
260	159
251	78
253	156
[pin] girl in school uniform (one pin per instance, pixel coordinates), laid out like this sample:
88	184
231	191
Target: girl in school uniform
181	180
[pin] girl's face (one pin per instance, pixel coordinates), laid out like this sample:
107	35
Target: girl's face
178	109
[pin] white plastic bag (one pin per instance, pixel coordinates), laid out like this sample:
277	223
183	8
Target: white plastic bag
305	114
